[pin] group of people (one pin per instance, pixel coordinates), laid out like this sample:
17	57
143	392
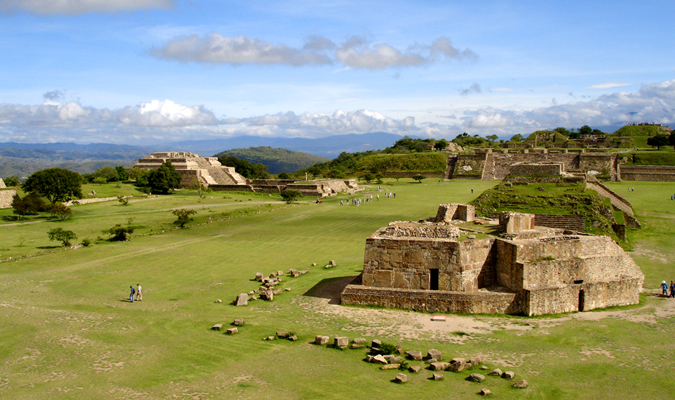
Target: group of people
136	294
357	202
664	286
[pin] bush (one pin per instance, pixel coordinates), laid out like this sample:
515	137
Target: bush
12	181
123	200
284	175
86	242
387	348
62	235
60	211
164	178
290	195
99	180
29	205
183	216
119	233
419	177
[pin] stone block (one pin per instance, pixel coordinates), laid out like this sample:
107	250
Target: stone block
238	322
522	384
341	341
435	354
232	331
414	355
457	365
359	341
439	366
259	276
376	343
437	377
401	378
217	327
391	366
475	378
496	372
321	340
508	375
293	338
379	359
475	360
484	392
282	335
242	299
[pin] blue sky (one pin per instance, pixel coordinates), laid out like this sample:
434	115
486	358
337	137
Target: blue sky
142	71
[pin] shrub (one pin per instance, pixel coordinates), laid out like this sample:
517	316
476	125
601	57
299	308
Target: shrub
119	233
183	216
60	211
62	236
387	348
123	200
99	180
86	242
419	177
290	195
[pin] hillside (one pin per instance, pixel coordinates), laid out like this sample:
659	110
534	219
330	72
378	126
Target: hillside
22	159
276	160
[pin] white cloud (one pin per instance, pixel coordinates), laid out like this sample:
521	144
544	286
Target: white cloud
355	52
608	85
475	88
217	49
73	7
153	121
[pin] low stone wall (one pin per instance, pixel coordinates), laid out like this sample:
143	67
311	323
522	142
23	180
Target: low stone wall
6	197
537	169
651	173
231	188
410	174
569	222
483	302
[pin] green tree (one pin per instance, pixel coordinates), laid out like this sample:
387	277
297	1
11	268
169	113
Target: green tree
244	167
119	233
492	137
60	211
671	139
99	180
419	177
284	175
183	216
290	195
28	205
56	184
585	130
122	173
136	173
62	236
562	130
658	141
516	138
108	173
441	144
164	178
368	177
12	181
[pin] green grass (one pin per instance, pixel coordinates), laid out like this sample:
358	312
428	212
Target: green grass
67	331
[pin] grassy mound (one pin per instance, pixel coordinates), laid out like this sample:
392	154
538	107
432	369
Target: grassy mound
549	198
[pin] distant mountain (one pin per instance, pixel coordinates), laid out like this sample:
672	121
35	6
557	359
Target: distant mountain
22	159
329	147
276	160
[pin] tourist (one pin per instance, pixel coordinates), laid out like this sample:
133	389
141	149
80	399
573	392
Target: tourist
672	289
664	286
378	197
139	292
131	295
471	190
340	202
394	194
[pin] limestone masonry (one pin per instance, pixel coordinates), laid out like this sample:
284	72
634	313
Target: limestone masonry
209	172
531	270
192	168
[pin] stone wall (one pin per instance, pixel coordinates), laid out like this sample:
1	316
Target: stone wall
469	166
503	162
653	173
537	169
485	302
513	222
6	197
602	165
2	184
574	223
455	211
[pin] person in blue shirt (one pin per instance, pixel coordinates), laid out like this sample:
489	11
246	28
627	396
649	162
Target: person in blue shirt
131	296
672	289
664	286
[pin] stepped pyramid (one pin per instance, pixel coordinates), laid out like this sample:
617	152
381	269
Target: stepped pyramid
192	168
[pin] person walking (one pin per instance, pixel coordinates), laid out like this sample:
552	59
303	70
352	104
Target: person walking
139	292
131	295
672	289
664	286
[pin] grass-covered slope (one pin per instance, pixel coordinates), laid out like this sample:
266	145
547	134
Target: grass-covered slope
66	331
549	198
276	160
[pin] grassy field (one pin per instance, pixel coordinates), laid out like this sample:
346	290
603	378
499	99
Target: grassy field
68	330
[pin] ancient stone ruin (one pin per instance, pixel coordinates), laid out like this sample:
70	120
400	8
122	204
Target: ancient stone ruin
447	264
192	168
209	172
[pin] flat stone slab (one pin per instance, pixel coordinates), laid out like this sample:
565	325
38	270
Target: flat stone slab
379	359
433	353
438	318
401	378
415	355
496	372
522	384
415	368
484	392
232	331
476	378
238	322
391	366
321	340
508	375
217	327
437	377
439	366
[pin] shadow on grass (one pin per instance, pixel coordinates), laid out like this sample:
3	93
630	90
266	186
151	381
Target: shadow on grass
330	288
49	247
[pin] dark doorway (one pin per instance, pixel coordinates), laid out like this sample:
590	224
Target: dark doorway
581	300
433	279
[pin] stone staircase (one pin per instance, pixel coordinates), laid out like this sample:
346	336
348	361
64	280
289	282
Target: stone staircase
489	168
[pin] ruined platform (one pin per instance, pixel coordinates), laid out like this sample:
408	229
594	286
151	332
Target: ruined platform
526	269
